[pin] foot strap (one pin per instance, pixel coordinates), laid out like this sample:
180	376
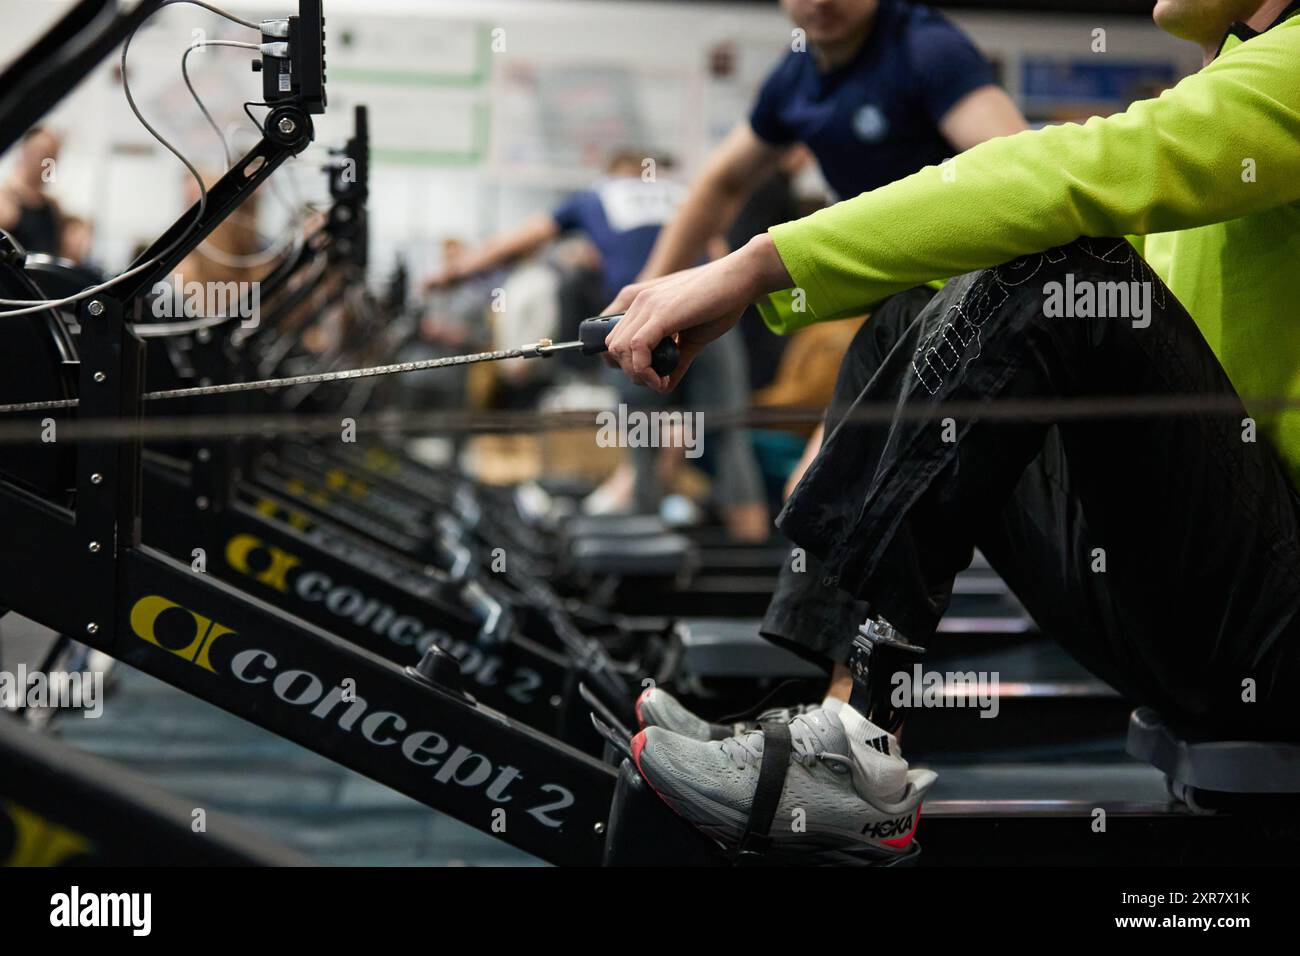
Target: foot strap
772	771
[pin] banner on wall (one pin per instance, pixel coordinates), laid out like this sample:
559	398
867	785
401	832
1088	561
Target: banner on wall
560	123
1055	89
426	82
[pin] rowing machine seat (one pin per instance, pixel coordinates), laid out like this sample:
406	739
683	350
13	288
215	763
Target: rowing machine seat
614	526
1209	774
661	555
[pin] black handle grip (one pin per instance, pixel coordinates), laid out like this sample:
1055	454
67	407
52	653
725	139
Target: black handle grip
592	332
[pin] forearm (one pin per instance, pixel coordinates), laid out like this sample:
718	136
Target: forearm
509	246
764	264
490	255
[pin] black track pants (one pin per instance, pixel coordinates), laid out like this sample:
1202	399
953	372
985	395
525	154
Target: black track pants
1163	551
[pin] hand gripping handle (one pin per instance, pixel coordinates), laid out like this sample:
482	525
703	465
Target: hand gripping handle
592	332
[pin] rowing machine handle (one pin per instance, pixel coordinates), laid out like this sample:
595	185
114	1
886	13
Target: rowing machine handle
592	333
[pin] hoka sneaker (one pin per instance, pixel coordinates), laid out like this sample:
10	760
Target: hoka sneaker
831	802
658	708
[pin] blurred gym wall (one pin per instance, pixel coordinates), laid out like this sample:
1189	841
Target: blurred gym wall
483	111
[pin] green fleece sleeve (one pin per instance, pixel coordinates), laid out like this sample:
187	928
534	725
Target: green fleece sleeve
1223	143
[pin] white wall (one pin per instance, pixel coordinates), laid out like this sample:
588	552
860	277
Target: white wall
426	70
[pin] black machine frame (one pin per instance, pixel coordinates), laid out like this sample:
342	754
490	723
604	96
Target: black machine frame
92	578
62	807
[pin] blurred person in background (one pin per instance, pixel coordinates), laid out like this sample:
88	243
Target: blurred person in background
582	293
454	315
621	215
527	310
233	251
27	212
77	240
453	320
880	89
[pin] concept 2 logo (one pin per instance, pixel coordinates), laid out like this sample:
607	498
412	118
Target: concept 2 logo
345	599
346	711
271	565
241	547
144	621
29	839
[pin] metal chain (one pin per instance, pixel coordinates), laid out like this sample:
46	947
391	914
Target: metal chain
314	378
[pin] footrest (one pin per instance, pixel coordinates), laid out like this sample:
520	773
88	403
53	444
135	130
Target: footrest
725	647
614	526
643	831
1220	766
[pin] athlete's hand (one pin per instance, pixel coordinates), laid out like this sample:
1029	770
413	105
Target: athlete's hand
694	306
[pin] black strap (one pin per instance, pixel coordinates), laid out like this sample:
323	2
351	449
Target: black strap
772	771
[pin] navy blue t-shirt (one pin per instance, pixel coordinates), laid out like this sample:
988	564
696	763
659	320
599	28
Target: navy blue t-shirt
622	217
874	119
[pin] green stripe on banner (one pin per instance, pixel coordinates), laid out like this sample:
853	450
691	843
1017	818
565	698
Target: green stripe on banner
442	157
427	157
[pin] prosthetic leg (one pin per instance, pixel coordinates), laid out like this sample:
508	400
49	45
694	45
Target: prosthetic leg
876	655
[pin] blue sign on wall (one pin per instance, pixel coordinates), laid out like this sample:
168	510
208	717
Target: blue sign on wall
1092	81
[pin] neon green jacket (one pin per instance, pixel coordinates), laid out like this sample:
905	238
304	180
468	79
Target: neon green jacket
1208	173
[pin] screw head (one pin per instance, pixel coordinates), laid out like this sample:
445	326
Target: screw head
599	828
286	125
95	308
96	479
100	378
93	547
201	502
92	628
203	454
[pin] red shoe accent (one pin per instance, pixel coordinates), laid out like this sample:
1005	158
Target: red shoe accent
638	744
903	841
640	697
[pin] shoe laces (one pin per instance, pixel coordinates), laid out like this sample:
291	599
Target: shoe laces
746	749
781	715
786	714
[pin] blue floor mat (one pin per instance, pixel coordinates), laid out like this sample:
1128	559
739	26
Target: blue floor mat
224	764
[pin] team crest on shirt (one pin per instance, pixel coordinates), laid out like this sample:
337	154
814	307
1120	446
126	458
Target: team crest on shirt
870	123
